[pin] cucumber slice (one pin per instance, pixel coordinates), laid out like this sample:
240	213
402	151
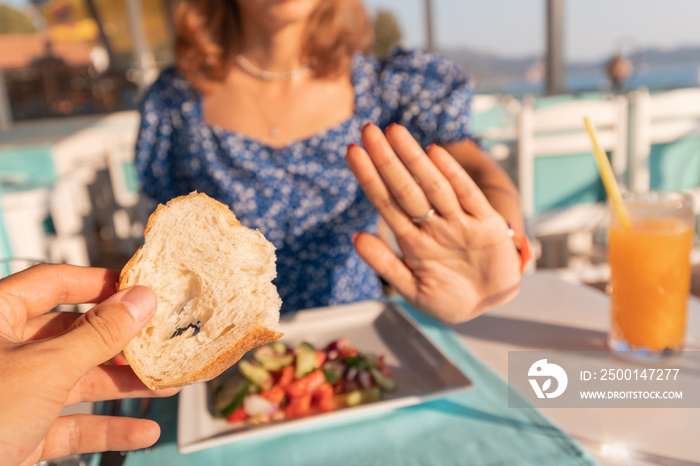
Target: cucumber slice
382	381
258	375
306	360
271	360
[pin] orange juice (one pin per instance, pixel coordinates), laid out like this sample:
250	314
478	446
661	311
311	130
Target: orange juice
650	280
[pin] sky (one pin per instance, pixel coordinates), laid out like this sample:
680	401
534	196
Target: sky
595	29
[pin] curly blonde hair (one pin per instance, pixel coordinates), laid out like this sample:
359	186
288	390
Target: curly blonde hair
207	32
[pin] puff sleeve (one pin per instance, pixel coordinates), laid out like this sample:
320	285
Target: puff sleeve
427	93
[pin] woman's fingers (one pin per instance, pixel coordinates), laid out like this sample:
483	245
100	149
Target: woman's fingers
401	183
42	287
381	258
471	198
110	383
376	191
436	188
404	184
100	333
84	433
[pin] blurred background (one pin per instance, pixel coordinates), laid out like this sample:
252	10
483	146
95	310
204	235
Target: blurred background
72	73
75	57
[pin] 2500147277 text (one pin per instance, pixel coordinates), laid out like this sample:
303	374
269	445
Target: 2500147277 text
650	374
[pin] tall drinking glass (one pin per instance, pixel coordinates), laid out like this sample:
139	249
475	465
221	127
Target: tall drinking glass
650	274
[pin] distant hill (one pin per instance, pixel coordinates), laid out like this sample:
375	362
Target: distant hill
485	65
656	57
491	69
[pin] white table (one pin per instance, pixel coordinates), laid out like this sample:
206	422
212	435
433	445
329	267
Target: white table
552	314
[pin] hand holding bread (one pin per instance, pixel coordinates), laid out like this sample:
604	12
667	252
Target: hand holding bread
51	360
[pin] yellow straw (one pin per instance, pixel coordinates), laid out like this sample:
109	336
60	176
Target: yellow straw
608	178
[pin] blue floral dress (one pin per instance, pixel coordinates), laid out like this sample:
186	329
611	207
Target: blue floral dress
302	197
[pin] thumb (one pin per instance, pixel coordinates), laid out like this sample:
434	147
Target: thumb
105	330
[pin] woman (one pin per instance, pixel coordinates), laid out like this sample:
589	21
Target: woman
266	97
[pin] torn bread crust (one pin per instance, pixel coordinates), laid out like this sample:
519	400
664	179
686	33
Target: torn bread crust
221	282
215	367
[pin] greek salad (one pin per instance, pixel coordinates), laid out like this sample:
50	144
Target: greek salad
276	382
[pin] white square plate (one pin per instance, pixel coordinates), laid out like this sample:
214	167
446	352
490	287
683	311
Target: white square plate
422	371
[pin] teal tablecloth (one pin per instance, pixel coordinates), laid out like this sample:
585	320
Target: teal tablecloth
473	428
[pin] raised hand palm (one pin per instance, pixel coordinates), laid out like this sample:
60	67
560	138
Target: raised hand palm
457	262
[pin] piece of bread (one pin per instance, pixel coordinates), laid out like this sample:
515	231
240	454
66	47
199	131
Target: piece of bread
212	277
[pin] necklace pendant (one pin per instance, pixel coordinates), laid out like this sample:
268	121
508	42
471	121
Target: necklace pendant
274	132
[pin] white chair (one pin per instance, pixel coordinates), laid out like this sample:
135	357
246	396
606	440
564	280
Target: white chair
131	209
665	119
121	133
494	123
75	153
78	158
665	143
23	215
26	176
557	130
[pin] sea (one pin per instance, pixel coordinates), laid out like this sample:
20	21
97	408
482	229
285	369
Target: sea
653	78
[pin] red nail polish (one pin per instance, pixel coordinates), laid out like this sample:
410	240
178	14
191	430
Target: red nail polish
351	145
354	237
428	149
391	126
368	124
